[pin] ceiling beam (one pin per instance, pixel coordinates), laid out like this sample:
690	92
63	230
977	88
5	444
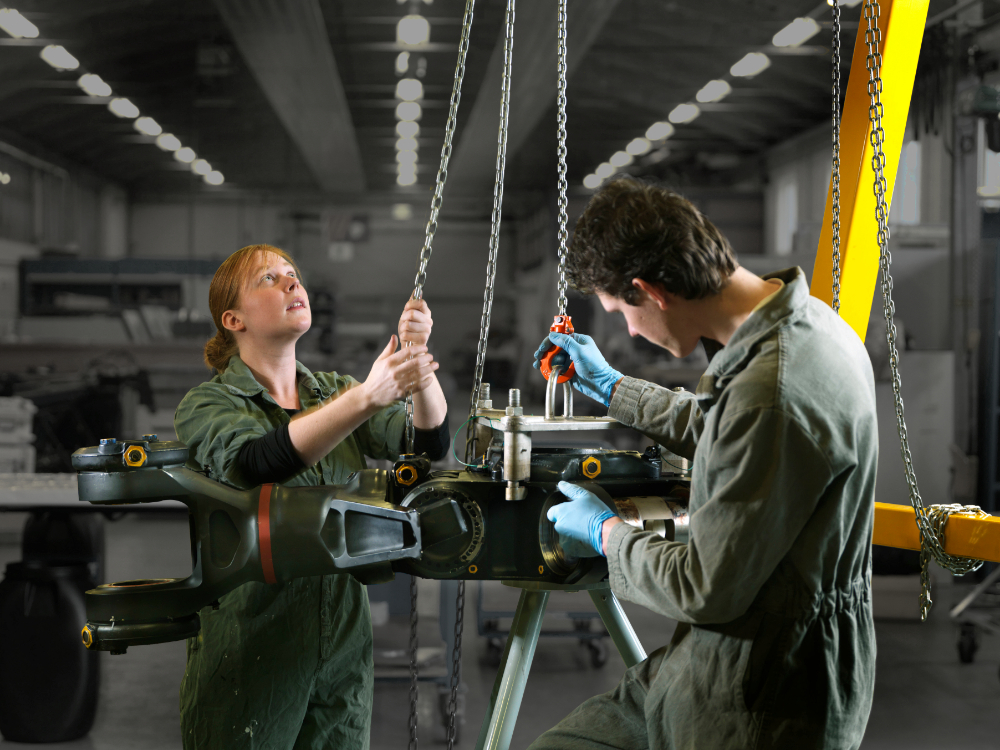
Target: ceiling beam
286	46
533	84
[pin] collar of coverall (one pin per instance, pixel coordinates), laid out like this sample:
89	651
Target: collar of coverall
729	360
239	380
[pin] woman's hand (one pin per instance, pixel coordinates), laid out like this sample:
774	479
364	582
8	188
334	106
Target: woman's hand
394	372
415	323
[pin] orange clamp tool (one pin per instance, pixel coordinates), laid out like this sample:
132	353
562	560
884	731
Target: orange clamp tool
560	324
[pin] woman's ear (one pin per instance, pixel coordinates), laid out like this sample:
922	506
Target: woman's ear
232	322
655	291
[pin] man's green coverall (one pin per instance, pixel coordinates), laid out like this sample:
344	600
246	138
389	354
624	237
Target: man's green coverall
775	645
288	664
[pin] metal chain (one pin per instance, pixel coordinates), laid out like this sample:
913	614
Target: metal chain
561	151
491	264
836	156
929	523
413	664
456	664
442	177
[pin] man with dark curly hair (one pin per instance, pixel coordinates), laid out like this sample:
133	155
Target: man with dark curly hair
775	645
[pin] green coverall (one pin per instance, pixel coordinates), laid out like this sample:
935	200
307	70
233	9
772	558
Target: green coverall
775	645
288	664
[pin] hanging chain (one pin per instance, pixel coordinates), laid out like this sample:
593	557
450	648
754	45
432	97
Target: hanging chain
413	664
491	264
456	664
930	521
836	156
442	177
563	201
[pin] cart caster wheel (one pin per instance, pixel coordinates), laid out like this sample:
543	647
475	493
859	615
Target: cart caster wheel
494	651
968	644
598	654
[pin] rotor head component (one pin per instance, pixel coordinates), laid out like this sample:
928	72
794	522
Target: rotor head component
117	636
410	469
135	456
114	455
560	324
591	467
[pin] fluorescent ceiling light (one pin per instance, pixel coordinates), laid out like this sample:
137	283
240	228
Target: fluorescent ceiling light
795	33
4	178
592	182
402	62
405	179
845	3
185	155
406	144
93	84
123	108
750	65
409	90
683	113
620	159
200	166
168	142
214	178
408	111
148	126
604	171
57	56
659	130
402	211
713	91
17	25
407	129
638	146
406	157
413	31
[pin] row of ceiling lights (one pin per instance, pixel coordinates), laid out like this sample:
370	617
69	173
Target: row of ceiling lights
794	34
93	85
412	32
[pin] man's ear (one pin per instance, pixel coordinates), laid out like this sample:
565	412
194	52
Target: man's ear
656	292
232	322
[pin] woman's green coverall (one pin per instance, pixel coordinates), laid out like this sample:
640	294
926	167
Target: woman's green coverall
285	665
775	646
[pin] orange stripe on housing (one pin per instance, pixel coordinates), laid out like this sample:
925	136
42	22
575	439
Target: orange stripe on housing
264	533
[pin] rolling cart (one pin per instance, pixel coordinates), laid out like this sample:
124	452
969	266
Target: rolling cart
488	626
978	611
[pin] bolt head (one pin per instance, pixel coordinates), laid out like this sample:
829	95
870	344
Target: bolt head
108	441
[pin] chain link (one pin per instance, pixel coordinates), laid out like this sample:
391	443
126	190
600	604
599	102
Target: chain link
456	664
563	185
930	521
413	664
491	264
836	156
442	177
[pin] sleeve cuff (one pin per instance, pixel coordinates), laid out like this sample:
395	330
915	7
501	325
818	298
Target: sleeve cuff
625	404
615	540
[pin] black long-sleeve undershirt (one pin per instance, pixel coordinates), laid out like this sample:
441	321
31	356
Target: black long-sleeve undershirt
272	457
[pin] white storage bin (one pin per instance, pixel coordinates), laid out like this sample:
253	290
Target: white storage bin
17	458
16	415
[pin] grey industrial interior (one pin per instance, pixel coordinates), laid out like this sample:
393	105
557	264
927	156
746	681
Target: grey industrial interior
292	113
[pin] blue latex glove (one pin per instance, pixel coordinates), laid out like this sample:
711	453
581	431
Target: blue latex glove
580	521
594	376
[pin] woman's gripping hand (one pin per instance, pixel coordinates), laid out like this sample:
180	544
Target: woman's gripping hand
395	372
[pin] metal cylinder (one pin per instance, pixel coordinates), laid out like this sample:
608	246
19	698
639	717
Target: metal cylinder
516	456
484	391
515	397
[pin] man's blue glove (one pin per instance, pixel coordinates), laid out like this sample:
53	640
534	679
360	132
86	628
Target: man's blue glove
594	376
580	521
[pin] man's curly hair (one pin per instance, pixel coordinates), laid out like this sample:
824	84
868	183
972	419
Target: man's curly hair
634	229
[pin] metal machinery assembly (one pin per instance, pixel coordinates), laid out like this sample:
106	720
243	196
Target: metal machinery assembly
432	524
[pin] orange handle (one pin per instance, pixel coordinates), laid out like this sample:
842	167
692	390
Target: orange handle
560	324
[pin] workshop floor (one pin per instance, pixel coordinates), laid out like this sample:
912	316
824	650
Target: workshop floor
924	697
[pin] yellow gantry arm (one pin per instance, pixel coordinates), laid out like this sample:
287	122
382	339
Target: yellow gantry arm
902	25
